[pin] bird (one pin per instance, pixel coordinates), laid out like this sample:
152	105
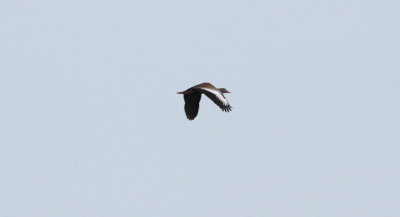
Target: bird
192	98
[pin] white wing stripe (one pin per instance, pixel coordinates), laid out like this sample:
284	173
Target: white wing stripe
218	95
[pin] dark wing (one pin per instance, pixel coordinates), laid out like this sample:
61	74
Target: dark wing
218	98
192	104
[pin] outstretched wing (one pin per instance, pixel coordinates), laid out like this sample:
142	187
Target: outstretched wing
218	98
192	104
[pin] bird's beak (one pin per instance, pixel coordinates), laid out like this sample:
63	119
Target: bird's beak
228	92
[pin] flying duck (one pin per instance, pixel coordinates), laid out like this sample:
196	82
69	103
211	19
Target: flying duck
192	98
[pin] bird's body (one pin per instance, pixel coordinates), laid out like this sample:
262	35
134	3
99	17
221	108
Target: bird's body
192	98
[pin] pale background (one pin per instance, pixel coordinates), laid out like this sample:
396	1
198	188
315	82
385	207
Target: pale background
91	124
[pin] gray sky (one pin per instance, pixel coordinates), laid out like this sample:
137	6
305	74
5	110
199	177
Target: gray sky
91	124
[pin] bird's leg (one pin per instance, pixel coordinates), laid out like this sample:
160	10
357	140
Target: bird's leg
185	92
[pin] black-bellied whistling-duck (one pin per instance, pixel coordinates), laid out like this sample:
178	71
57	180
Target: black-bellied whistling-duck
192	98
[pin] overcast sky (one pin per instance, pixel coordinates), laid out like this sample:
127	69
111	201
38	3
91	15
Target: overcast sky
91	124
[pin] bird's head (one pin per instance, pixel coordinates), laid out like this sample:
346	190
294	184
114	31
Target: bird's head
223	90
